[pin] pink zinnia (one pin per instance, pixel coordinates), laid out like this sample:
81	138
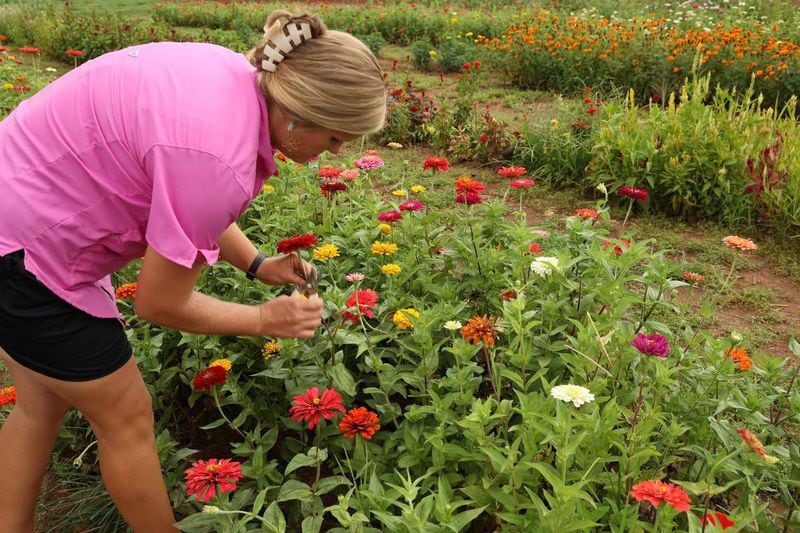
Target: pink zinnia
390	216
354	277
369	162
521	183
637	193
651	344
204	476
311	406
351	174
412	205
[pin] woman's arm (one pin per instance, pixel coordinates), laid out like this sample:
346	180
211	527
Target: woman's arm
166	296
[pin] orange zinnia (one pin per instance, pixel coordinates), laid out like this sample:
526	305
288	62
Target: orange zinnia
739	243
479	329
753	442
740	357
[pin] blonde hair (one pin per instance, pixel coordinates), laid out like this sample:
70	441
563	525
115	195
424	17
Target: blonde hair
330	81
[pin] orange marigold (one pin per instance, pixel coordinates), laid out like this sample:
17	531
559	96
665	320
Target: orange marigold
739	243
479	329
740	357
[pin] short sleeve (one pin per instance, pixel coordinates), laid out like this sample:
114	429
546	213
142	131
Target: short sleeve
196	196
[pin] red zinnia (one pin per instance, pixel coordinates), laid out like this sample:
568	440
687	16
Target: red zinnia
30	50
469	198
359	421
617	249
657	492
75	53
213	375
521	183
439	164
512	171
126	290
296	242
364	300
8	395
717	519
587	212
508	295
327	171
535	248
637	193
412	205
329	188
390	216
204	476
311	406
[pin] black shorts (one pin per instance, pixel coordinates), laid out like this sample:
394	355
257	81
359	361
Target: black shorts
44	333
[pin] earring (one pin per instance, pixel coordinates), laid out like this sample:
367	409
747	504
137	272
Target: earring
291	125
291	142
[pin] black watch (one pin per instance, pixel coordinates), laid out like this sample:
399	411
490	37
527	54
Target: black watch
251	272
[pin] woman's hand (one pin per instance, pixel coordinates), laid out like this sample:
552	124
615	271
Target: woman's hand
284	270
291	316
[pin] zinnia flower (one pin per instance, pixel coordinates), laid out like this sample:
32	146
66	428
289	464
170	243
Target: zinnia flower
636	193
651	344
213	375
359	421
657	492
739	243
693	277
508	295
350	174
465	184
325	252
329	188
417	189
740	357
126	291
8	395
270	348
296	242
364	301
521	183
540	232
390	269
753	442
369	162
717	519
618	250
330	172
224	363
353	277
266	189
390	216
311	406
452	325
572	393
437	164
394	145
535	248
400	193
204	476
384	228
512	171
402	320
411	205
479	329
383	248
544	266
587	212
75	53
469	198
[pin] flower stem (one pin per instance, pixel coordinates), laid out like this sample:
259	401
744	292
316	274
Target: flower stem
215	394
630	206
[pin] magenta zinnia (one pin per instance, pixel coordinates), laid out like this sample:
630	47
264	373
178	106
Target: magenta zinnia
204	476
296	242
411	205
390	216
311	406
651	344
636	193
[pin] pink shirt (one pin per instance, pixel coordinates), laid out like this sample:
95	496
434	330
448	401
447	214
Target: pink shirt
162	144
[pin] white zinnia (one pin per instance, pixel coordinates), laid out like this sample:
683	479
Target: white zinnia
544	266
452	325
572	393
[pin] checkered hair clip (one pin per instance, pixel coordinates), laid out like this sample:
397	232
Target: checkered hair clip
279	44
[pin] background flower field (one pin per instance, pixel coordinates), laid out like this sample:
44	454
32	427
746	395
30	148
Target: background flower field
516	337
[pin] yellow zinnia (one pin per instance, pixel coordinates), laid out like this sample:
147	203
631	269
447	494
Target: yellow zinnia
267	189
402	193
402	318
385	229
325	252
416	189
270	348
390	269
384	248
224	363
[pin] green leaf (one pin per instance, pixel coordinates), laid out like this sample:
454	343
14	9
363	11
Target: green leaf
274	520
312	524
215	424
259	502
342	379
461	520
306	459
794	346
295	490
327	484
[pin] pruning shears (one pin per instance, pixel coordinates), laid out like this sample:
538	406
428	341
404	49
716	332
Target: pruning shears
310	286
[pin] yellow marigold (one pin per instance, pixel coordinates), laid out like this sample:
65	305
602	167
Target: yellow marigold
740	357
385	229
384	248
270	348
224	363
402	193
739	243
325	252
267	189
390	269
402	318
416	189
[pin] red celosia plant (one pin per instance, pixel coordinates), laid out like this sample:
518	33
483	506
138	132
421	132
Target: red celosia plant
204	476
296	242
213	375
658	492
359	421
311	406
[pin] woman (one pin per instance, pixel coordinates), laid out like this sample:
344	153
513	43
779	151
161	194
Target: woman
152	151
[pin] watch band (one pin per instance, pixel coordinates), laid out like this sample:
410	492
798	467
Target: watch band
251	271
